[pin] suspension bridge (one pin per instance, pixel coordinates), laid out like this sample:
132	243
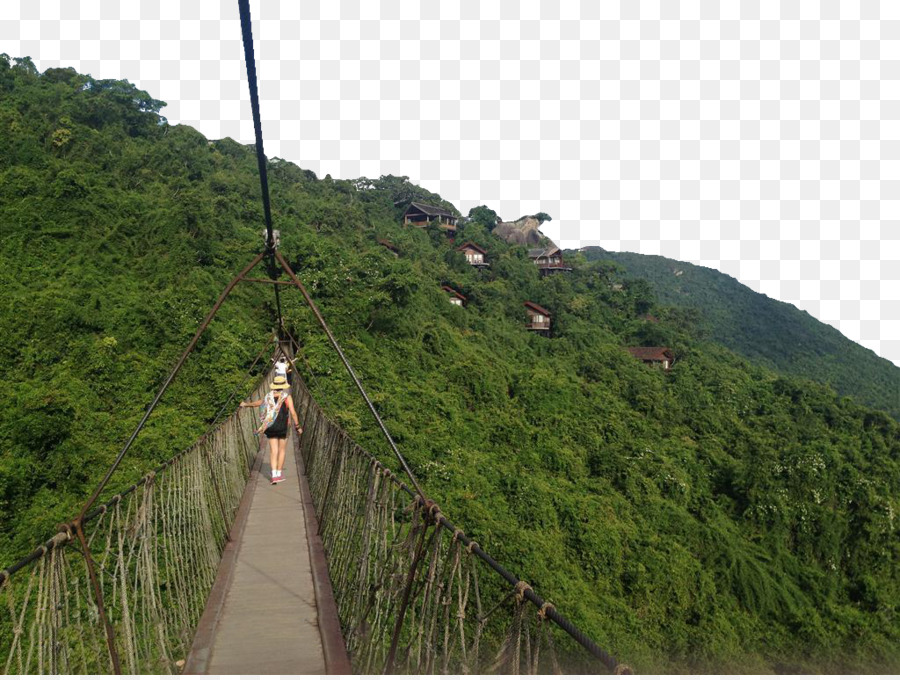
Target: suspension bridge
201	566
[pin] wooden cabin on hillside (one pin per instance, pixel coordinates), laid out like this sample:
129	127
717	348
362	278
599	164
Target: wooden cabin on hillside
474	254
654	356
456	298
538	318
548	260
420	214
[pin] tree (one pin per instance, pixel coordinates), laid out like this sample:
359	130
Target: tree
542	217
484	215
641	295
402	192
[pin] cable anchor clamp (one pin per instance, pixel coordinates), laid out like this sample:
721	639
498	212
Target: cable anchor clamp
276	240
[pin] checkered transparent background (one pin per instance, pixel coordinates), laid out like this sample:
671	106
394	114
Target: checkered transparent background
761	139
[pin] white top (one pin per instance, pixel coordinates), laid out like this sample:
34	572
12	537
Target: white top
281	368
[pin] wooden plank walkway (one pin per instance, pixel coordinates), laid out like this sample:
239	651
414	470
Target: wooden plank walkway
262	616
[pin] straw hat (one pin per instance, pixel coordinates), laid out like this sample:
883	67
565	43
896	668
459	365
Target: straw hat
279	383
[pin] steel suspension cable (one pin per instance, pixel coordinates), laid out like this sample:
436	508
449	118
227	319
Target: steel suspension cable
162	390
123	493
271	249
356	381
250	61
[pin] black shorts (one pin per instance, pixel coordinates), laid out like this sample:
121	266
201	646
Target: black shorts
278	429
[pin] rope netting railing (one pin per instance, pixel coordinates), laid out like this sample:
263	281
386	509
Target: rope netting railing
413	593
156	548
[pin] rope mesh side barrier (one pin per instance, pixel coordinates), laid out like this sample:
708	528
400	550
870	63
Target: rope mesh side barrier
156	548
414	594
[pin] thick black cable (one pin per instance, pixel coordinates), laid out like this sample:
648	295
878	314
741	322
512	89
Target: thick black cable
247	35
250	61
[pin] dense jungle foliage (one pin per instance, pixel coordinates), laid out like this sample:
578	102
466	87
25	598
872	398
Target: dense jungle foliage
766	331
719	517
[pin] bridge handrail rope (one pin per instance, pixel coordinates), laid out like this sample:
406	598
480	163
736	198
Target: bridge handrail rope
337	470
38	552
157	545
546	609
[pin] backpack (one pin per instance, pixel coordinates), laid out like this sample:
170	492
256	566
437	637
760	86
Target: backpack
268	410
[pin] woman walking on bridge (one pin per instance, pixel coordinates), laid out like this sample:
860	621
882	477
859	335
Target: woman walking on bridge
278	404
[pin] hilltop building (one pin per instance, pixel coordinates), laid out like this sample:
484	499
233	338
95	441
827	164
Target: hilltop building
456	298
420	214
474	254
549	260
654	356
538	318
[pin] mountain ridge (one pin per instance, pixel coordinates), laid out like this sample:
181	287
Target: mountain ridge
766	330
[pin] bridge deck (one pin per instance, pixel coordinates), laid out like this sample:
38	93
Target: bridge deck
262	616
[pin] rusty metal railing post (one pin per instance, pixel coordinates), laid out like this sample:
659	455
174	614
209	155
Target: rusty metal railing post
98	597
410	578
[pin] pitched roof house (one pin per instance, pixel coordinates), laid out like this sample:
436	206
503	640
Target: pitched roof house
548	260
538	318
420	214
653	356
474	254
456	298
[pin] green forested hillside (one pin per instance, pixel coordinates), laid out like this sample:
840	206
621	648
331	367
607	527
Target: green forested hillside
720	517
766	331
